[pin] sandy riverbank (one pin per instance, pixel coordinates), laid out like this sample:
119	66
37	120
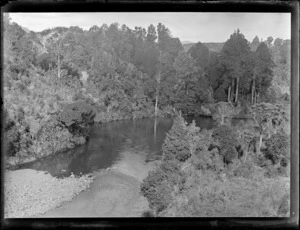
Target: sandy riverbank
115	192
28	193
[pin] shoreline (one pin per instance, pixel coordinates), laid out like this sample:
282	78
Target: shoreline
29	192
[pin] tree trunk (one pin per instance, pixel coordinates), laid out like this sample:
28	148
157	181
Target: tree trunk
154	128
157	93
232	89
156	103
237	90
58	64
246	154
229	90
253	91
260	143
222	120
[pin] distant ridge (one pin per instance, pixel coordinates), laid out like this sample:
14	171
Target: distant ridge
186	42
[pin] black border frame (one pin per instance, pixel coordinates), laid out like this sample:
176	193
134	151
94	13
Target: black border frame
179	6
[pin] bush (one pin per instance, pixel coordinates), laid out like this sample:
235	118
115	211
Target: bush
12	141
277	147
157	190
227	140
54	136
225	135
77	116
158	186
208	160
230	153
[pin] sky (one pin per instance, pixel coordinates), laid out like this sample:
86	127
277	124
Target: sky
187	26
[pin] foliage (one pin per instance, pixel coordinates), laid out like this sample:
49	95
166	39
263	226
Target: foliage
52	137
209	195
277	148
77	116
222	110
158	186
12	145
200	54
206	160
176	142
228	142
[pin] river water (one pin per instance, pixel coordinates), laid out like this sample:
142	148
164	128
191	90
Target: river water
128	149
108	141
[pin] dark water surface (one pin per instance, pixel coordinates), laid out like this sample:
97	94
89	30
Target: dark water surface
105	143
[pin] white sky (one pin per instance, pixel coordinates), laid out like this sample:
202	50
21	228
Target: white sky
189	26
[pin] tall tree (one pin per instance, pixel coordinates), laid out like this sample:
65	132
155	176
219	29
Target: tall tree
264	72
151	34
200	53
255	43
234	54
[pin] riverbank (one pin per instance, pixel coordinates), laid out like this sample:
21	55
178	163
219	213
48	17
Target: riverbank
28	193
115	192
112	194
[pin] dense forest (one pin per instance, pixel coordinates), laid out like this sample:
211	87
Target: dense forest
59	81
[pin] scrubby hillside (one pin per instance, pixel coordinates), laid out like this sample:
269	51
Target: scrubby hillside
220	173
120	73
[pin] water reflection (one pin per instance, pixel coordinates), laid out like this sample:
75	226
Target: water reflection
107	141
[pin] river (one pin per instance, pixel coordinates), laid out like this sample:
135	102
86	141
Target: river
107	141
128	149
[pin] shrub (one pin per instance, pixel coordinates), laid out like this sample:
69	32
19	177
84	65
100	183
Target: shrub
158	186
227	140
156	189
52	137
208	160
277	147
226	135
12	141
230	153
77	116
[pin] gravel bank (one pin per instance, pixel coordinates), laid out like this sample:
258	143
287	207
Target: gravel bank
29	193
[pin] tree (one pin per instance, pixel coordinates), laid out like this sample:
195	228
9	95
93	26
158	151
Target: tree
255	43
262	115
164	35
278	42
263	70
269	41
176	144
200	53
184	67
151	34
234	54
58	44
